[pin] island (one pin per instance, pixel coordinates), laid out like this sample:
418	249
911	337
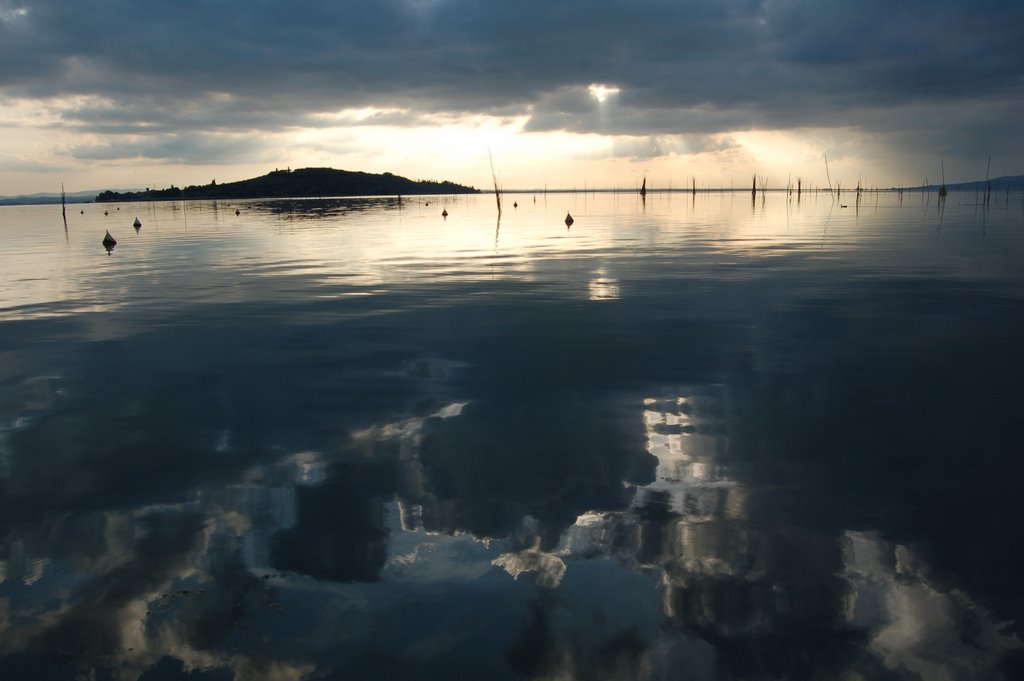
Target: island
303	182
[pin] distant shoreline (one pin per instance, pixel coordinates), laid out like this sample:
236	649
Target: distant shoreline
249	190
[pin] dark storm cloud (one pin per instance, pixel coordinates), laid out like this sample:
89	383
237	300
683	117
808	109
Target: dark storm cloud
700	67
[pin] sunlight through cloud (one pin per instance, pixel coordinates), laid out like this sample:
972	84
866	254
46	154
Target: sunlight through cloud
602	92
357	115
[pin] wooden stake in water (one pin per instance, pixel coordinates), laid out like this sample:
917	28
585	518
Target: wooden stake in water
64	209
988	184
494	176
829	177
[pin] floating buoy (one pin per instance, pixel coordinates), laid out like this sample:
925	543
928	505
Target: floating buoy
82	212
444	213
569	220
238	212
109	242
515	204
136	224
106	213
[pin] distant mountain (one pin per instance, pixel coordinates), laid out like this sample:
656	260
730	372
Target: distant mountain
47	198
305	182
1013	183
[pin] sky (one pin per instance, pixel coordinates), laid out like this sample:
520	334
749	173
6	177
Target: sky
101	94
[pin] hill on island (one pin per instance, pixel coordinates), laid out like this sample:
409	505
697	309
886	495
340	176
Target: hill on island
304	182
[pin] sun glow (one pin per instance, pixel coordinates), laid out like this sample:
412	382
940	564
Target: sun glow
453	149
602	92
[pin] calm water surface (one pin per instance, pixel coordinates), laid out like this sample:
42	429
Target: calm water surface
697	438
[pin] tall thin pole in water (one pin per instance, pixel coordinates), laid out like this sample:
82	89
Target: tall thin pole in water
988	183
64	210
827	175
494	176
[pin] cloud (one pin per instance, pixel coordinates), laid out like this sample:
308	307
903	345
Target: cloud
470	55
10	163
194	149
656	146
932	72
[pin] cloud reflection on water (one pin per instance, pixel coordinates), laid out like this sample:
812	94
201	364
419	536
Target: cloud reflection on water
273	486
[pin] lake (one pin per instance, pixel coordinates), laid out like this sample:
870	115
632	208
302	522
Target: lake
691	437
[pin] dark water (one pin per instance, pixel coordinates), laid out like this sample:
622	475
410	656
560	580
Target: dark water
692	439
